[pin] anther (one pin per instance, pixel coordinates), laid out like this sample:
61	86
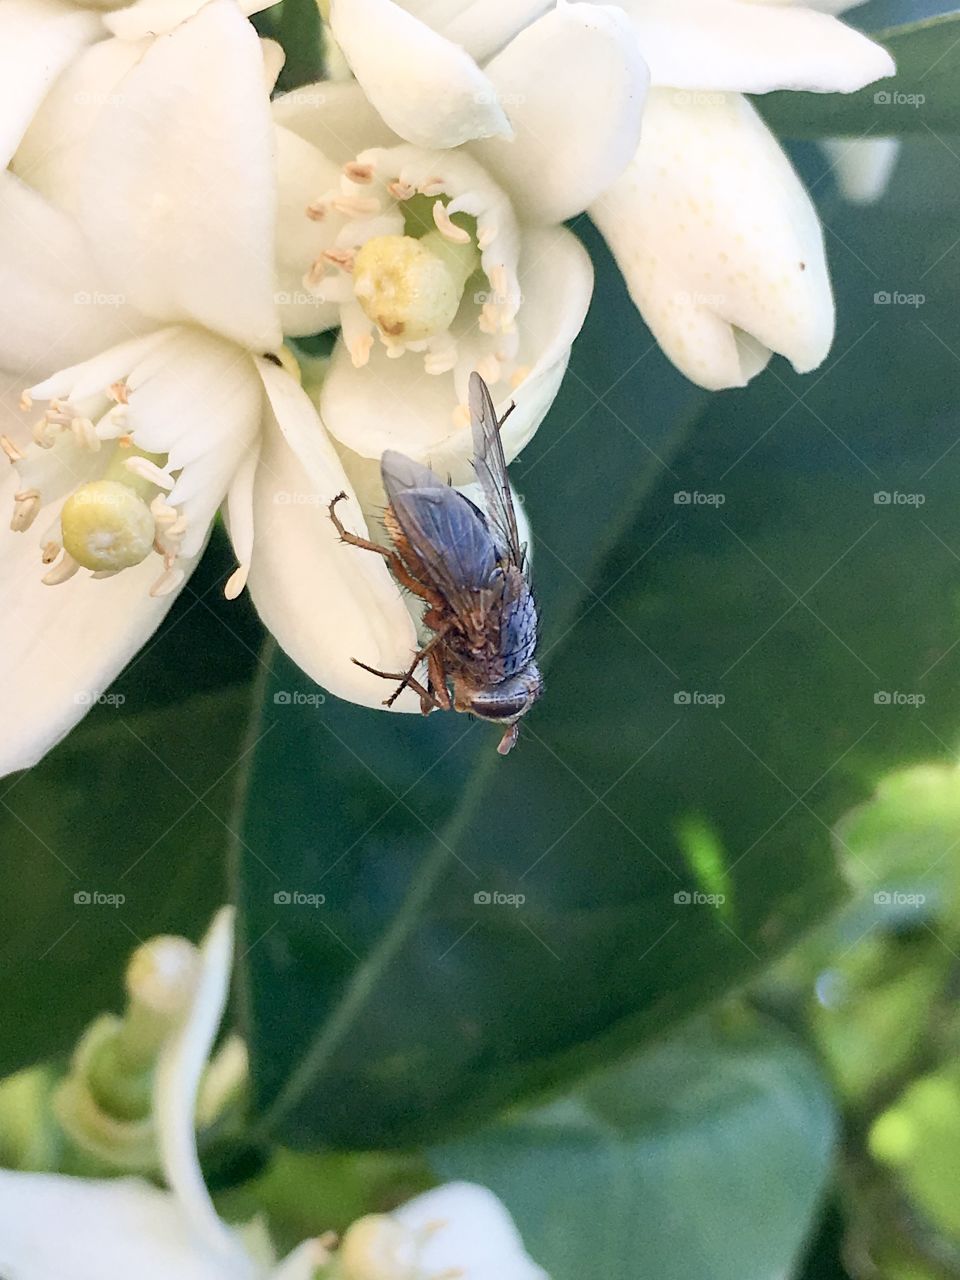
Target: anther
447	227
356	206
26	506
357	172
168	581
401	190
11	450
148	470
64	569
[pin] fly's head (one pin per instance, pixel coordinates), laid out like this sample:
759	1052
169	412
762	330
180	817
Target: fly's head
503	703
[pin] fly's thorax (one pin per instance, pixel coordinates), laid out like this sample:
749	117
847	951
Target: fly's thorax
504	703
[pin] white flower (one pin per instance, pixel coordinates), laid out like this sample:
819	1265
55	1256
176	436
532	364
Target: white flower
159	234
438	261
718	241
53	1225
159	298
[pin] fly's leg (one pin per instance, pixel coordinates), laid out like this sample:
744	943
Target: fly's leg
506	414
431	699
428	702
437	680
397	567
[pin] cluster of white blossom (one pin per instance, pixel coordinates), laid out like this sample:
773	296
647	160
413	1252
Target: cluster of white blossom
167	220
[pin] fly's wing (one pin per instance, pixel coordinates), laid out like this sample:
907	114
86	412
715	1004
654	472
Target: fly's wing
491	468
445	530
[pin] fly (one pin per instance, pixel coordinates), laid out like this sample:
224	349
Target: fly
471	572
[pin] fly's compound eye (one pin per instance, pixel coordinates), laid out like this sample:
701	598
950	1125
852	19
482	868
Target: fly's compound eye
508	701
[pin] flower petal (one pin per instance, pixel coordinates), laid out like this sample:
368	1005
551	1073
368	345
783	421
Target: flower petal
52	1226
176	201
59	310
753	48
862	167
38	38
177	1082
52	154
325	602
481	26
336	116
427	89
571	141
304	173
393	404
717	239
471	1234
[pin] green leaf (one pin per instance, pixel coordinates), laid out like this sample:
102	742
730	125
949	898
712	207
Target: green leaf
922	98
704	1157
402	1008
136	802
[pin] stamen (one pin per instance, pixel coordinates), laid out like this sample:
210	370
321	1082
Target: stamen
486	236
49	552
401	190
236	582
461	416
317	210
519	375
489	370
161	512
26	401
345	259
447	228
85	433
360	350
118	391
432	187
26	507
11	450
168	581
357	172
489	319
356	206
148	470
63	570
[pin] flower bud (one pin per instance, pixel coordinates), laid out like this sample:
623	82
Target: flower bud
378	1247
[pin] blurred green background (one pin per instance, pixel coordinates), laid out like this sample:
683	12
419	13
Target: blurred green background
718	1035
